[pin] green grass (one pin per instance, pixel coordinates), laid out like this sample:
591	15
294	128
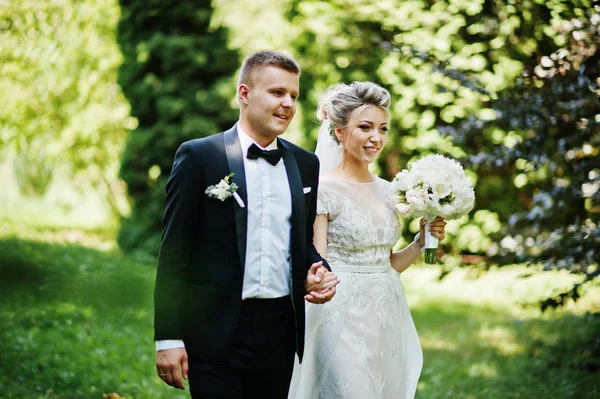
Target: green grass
76	322
485	337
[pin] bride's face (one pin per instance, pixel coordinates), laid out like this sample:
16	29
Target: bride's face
366	135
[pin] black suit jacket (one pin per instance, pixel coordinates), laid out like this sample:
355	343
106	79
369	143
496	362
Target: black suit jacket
202	255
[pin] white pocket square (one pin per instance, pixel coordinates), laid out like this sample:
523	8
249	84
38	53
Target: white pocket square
306	190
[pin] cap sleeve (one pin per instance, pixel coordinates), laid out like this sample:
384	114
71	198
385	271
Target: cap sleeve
326	200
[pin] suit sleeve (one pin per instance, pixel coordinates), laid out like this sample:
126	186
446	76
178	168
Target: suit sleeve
313	255
179	235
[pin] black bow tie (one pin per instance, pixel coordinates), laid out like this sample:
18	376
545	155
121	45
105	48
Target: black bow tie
272	156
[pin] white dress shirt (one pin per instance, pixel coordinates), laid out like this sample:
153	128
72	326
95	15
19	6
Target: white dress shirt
267	268
269	204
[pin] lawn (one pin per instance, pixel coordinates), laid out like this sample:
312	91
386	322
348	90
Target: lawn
76	322
485	337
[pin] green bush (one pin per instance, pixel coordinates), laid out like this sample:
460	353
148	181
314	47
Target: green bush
177	75
542	148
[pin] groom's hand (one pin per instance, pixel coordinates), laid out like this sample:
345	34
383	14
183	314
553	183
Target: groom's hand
320	284
170	365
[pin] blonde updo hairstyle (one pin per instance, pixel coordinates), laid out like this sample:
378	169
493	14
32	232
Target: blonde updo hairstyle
342	102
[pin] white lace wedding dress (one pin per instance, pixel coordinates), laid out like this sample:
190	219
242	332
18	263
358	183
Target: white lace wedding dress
363	343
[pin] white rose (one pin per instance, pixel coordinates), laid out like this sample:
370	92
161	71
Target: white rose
216	192
416	198
447	211
403	208
223	194
223	185
401	181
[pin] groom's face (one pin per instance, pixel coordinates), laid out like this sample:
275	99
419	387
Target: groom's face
269	102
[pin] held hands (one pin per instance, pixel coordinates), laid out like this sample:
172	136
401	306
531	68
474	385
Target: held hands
320	284
436	228
170	365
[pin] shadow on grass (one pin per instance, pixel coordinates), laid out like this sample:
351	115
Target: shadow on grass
33	271
476	352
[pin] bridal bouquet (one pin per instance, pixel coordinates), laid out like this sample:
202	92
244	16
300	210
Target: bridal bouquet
434	186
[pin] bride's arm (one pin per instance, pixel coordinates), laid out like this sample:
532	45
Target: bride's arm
402	259
320	235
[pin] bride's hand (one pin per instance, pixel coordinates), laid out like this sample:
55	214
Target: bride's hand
320	284
437	228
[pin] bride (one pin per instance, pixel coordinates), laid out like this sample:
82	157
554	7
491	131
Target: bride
363	344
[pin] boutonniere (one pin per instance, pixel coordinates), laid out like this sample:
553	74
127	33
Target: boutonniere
224	189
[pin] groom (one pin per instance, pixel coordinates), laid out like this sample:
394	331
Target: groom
237	261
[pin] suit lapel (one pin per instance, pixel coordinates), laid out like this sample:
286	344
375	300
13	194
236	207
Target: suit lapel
235	160
295	181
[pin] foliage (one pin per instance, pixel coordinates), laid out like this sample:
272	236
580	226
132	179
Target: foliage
442	62
497	84
62	108
455	71
546	139
395	44
177	75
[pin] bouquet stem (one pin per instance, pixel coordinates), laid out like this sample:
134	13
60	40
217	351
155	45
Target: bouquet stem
431	245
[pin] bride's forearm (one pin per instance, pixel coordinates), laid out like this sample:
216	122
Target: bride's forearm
402	259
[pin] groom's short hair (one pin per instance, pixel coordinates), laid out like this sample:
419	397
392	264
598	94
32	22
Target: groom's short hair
263	59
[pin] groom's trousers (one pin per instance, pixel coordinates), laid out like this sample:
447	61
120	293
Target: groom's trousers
262	356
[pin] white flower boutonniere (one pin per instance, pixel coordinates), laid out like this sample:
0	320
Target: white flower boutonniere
224	189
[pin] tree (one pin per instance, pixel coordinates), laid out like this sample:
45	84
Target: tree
442	61
61	105
546	136
445	63
177	75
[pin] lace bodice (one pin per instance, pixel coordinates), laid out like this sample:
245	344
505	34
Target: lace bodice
362	224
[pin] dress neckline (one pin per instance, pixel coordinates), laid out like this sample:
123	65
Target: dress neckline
356	182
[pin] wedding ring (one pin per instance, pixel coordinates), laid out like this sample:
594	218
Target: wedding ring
163	375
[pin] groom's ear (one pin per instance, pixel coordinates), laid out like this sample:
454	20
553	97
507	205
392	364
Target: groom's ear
243	91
